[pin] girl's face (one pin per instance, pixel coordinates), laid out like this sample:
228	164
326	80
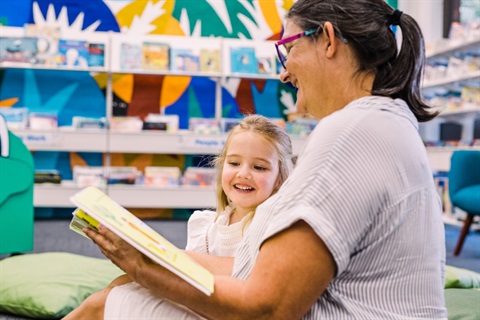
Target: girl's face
250	171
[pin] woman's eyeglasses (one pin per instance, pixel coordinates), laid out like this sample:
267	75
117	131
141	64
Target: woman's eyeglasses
280	45
282	51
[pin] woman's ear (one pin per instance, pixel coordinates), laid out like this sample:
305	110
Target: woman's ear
330	38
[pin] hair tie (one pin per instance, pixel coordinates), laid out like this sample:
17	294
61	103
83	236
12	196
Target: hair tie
394	18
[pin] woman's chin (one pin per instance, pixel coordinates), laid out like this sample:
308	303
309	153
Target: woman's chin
301	108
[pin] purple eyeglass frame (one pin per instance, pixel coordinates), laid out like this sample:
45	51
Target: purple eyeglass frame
281	57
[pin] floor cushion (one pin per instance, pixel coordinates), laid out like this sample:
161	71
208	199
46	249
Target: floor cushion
50	285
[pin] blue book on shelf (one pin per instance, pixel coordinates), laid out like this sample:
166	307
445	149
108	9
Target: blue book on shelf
243	60
73	53
184	60
96	54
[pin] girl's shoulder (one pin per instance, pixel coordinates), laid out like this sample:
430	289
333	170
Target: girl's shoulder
197	227
202	217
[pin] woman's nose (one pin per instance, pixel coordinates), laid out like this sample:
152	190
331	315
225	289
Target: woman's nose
284	76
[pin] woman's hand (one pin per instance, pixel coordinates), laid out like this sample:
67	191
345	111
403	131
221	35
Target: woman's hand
120	252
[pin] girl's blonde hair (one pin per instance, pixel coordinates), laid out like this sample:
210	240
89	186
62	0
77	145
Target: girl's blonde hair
274	134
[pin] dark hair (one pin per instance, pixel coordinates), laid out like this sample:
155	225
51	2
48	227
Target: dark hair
366	27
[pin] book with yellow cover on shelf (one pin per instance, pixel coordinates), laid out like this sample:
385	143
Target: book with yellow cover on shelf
156	56
95	207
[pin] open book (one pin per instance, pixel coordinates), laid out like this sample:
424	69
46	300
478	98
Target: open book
95	207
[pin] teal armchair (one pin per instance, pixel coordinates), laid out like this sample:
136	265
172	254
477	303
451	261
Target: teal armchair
16	193
464	188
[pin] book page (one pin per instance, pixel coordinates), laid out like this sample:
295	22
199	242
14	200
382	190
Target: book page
105	210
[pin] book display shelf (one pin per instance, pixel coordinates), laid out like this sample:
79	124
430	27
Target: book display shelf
153	55
453	65
452	82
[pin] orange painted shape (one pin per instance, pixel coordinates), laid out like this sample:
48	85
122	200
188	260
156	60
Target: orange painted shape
123	87
172	89
270	12
76	160
8	102
136	8
101	79
173	28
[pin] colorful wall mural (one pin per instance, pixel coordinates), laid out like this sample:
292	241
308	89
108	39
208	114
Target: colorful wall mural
83	94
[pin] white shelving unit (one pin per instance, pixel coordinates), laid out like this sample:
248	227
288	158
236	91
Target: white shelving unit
473	75
442	50
448	46
51	195
64	139
156	142
108	142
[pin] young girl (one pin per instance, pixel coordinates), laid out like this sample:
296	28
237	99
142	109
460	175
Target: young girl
255	161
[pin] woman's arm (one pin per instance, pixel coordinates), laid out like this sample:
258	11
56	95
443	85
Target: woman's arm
292	270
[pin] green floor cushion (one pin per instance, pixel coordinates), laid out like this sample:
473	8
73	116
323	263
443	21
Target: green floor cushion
461	278
50	285
463	304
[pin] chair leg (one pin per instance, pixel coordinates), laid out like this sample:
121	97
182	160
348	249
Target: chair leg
465	230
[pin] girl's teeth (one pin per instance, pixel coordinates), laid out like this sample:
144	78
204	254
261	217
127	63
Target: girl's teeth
243	188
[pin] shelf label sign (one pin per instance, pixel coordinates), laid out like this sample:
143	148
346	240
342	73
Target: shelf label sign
199	142
40	139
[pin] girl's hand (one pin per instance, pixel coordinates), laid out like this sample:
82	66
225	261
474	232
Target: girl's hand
120	252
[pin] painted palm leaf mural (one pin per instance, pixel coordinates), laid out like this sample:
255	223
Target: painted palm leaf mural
215	18
180	95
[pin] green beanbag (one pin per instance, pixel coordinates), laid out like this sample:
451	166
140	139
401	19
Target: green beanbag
50	285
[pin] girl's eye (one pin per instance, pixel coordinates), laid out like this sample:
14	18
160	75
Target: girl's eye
260	168
233	163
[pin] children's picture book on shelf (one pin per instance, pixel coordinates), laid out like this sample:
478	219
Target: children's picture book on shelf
126	124
88	122
96	54
184	60
95	207
209	60
47	36
43	120
16	118
156	56
204	125
121	175
266	65
73	53
86	176
131	56
227	124
162	122
162	176
243	60
47	176
18	49
199	176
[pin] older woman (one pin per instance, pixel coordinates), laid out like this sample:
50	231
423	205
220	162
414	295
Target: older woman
356	230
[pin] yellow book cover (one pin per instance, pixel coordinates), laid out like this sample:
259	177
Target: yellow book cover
96	207
209	60
156	56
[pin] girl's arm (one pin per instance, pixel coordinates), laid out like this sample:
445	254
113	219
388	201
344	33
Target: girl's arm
292	270
215	264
